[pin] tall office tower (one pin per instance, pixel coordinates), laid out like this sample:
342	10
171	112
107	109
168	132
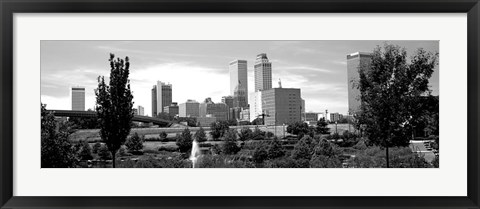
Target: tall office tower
161	97
78	98
172	109
240	96
228	100
238	75
255	105
263	73
282	105
354	62
189	109
154	100
141	110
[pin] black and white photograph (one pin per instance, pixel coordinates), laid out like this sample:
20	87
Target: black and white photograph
240	104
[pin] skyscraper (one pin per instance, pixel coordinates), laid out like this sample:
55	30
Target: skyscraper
189	109
141	110
282	105
78	98
263	73
238	75
354	62
161	97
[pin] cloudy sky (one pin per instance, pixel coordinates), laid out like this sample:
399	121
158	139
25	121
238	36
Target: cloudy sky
199	69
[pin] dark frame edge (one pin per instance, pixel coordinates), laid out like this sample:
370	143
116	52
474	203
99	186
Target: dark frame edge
7	200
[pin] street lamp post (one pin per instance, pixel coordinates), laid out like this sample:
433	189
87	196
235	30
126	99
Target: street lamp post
336	127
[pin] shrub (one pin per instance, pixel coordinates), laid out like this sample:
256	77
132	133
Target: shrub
123	152
258	134
260	154
302	150
200	135
168	148
96	147
287	162
218	129
184	141
85	152
230	143
322	161
298	128
322	127
163	136
134	143
275	150
104	153
245	134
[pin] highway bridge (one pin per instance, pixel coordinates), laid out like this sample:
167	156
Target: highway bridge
88	114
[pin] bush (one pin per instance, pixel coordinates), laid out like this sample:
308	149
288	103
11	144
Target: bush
163	136
168	148
298	128
104	153
134	143
301	150
85	152
123	152
275	150
245	134
322	127
200	135
230	143
218	129
96	147
260	154
322	161
184	141
258	134
287	162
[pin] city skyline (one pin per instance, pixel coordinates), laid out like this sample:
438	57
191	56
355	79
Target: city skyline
318	68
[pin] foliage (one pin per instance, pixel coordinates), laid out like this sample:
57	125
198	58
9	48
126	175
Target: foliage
322	127
258	134
257	121
84	123
229	146
218	129
322	161
114	105
298	128
104	153
260	154
390	86
163	136
57	151
275	149
184	141
85	152
200	135
96	147
245	134
287	162
135	143
302	149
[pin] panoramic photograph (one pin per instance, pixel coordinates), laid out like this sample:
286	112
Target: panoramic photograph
240	104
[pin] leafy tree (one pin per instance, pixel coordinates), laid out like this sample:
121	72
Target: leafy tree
85	152
258	134
275	149
230	143
57	151
322	127
184	141
218	129
200	135
114	105
96	147
260	154
245	134
104	153
135	143
389	87
84	123
298	128
302	150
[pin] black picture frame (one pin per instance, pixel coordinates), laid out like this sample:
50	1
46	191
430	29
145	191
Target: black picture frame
9	7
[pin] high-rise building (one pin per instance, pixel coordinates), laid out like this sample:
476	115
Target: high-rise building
189	109
238	75
141	110
282	105
263	73
228	100
78	98
161	97
217	110
172	109
354	62
255	105
240	97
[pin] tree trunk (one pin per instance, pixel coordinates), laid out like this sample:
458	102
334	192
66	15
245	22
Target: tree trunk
113	159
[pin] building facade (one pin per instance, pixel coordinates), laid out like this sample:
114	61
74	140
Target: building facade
141	110
311	116
217	110
354	62
255	105
172	109
238	77
334	117
161	97
78	98
282	105
263	73
189	109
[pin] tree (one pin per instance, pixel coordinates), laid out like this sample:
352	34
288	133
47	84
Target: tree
258	134
230	143
184	141
389	87
302	150
298	128
200	135
275	149
163	136
96	147
218	129
104	153
134	143
245	134
57	151
322	127
114	105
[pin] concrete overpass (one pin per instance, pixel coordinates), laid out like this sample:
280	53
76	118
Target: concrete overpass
91	114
